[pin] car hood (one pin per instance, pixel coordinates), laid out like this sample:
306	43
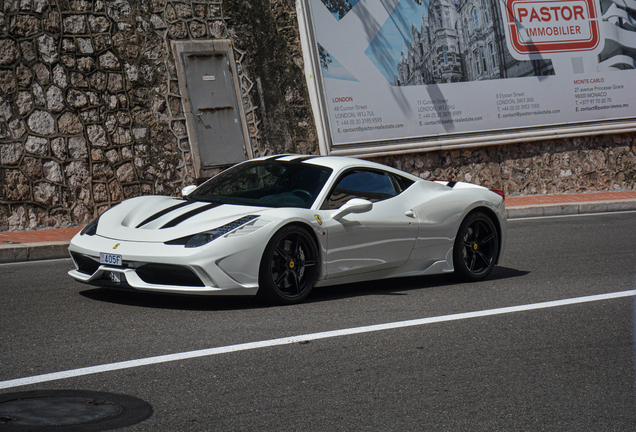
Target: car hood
160	219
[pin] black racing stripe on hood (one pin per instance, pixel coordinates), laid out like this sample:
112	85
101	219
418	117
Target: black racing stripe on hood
176	221
163	213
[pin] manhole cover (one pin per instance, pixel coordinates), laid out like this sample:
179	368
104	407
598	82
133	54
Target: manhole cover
70	410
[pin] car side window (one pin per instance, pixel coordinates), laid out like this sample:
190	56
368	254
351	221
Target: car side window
370	185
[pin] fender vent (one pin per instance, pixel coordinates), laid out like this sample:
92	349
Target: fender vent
166	274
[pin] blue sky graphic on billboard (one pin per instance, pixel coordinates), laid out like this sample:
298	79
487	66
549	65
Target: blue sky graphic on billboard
386	48
332	68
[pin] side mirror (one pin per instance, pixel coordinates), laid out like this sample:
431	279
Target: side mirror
187	190
355	205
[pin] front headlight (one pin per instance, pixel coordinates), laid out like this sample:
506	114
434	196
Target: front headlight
203	238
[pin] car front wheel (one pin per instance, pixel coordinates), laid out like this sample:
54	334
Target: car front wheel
288	269
476	247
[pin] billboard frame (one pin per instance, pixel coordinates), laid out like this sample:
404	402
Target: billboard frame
448	141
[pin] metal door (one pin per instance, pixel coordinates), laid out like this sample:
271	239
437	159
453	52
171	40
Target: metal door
217	119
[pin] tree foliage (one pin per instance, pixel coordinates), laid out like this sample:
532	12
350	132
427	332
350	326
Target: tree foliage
338	7
325	57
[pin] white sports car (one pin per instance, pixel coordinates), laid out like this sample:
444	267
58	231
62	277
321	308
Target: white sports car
278	226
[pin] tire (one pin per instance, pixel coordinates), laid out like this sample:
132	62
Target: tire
289	266
476	247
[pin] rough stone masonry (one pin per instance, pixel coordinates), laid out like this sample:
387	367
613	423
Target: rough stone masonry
91	114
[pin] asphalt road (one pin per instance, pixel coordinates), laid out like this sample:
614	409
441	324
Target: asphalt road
563	367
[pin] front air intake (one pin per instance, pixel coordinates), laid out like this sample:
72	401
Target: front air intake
85	264
166	274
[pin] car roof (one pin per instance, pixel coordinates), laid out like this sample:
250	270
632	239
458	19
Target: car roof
337	163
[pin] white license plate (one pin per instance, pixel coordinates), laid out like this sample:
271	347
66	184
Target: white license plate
110	259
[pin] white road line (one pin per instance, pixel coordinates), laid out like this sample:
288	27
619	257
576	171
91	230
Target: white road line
303	338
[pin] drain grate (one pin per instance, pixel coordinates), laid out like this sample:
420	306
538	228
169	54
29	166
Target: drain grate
70	411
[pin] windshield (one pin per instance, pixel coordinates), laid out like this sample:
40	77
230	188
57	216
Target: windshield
268	183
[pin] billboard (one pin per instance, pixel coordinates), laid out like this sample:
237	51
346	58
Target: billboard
409	74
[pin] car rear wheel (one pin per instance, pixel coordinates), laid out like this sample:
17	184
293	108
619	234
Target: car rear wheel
289	267
476	247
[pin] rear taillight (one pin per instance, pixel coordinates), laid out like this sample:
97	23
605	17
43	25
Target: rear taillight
498	192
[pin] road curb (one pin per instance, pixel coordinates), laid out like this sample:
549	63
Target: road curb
570	209
22	252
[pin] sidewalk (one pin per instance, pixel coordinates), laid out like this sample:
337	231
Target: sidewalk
568	204
53	243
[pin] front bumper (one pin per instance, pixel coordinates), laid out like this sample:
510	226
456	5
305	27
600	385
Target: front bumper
157	267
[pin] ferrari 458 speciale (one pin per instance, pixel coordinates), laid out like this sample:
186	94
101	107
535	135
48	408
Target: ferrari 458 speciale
279	226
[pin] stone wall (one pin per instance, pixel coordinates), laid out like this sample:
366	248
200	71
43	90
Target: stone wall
91	114
90	110
586	164
267	32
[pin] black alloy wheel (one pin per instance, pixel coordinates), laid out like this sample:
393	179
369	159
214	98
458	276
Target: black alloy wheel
476	247
289	266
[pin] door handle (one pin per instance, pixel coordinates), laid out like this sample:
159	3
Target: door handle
410	213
